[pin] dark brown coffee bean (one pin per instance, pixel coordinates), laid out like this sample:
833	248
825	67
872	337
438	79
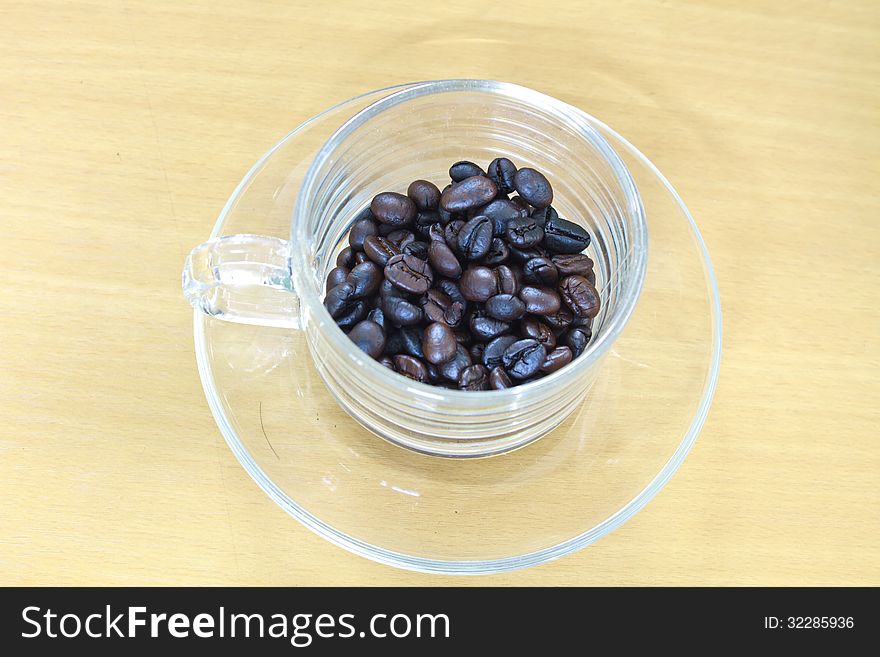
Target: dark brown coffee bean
468	194
564	236
524	358
522	256
523	232
385	229
533	187
498	252
452	290
499	380
559	320
443	260
453	367
474	377
540	271
508	280
400	311
556	359
339	300
438	343
451	232
336	277
571	264
387	361
411	341
386	289
577	338
521	203
438	307
475	238
377	316
365	279
500	211
505	307
463	337
580	295
543	215
426	195
437	233
401	238
409	273
360	258
360	231
540	300
476	351
464	169
502	172
535	329
345	258
424	221
393	209
493	354
484	327
369	337
411	368
355	313
380	249
418	249
478	283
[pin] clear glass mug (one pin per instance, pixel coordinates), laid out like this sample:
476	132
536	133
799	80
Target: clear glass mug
417	132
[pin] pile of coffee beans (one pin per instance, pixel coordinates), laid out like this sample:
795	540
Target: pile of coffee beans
468	287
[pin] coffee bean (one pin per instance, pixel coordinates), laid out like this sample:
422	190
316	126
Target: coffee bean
418	249
464	169
563	236
450	233
369	337
521	203
533	187
502	172
401	238
453	367
475	238
443	260
476	351
360	231
386	289
438	307
533	328
393	208
540	300
411	341
377	316
493	354
452	290
478	283
559	320
540	271
438	343
463	337
498	252
339	300
474	377
508	279
591	276
500	211
580	295
574	263
400	311
360	258
524	358
499	380
543	215
380	249
425	194
505	307
355	313
484	327
523	232
424	221
411	368
577	338
336	277
522	256
388	362
365	279
470	193
345	258
437	233
556	359
409	273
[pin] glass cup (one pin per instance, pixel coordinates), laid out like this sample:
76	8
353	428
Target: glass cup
381	142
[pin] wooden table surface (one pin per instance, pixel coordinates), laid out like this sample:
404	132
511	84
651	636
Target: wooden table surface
125	124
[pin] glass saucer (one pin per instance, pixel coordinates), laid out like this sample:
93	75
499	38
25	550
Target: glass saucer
409	510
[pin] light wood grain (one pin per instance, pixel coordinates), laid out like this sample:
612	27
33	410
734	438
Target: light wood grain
124	125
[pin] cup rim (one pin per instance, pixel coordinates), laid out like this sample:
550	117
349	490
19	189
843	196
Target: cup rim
575	119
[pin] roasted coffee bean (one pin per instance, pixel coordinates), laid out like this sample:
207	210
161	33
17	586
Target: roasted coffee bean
505	307
585	322
508	279
571	264
475	238
418	249
524	358
543	215
521	203
522	256
476	351
380	249
564	236
345	258
500	211
493	354
369	337
533	187
540	300
424	221
556	359
524	232
577	338
453	367
409	273
579	295
393	208
591	276
540	271
438	343
498	252
385	229
474	377
401	238
365	279
336	277
443	260
377	316
463	337
401	312
502	172
451	232
425	194
388	362
339	300
437	233
468	194
452	290
360	258
386	289
484	327
411	368
478	283
464	169
438	307
360	231
355	313
560	320
534	328
411	341
499	380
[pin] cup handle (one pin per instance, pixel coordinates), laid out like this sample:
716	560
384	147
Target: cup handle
245	279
